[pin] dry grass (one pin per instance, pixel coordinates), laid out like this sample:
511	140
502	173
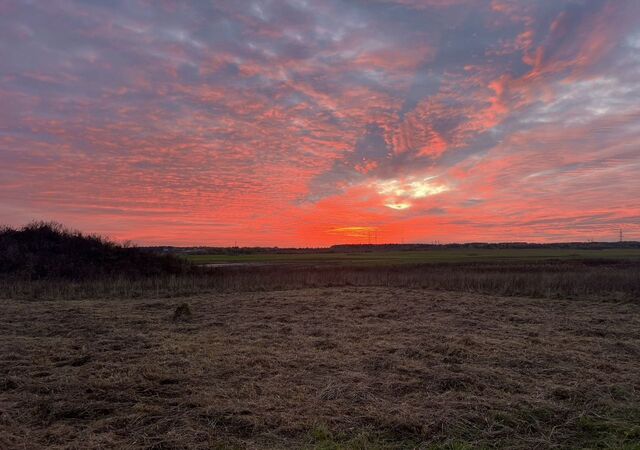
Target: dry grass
349	367
548	279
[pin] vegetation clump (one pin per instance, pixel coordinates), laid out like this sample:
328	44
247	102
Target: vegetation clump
182	313
48	250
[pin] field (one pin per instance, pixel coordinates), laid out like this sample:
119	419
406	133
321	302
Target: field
554	279
106	346
325	368
420	257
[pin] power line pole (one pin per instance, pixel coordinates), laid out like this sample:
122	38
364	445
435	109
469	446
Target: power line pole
620	234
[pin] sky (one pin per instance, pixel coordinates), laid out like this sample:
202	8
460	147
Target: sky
319	122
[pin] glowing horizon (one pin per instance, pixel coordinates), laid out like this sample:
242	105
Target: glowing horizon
295	123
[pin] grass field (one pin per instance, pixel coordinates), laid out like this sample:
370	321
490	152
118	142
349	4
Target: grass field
327	368
108	347
419	257
567	278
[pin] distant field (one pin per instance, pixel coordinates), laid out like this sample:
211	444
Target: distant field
416	257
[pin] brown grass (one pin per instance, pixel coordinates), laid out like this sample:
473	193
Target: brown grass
548	279
348	367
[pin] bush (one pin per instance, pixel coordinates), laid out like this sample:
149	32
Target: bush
47	250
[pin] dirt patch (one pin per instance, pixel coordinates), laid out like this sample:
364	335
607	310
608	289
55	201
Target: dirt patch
320	367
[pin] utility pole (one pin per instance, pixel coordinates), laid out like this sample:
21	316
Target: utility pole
620	234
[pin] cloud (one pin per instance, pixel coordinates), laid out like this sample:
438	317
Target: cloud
398	194
277	121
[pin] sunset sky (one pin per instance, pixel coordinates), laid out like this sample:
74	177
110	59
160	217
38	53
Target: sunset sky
316	122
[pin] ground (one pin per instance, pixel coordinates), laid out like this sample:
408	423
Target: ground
320	368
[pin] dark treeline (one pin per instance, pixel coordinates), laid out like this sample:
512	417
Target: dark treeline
484	245
47	250
364	248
